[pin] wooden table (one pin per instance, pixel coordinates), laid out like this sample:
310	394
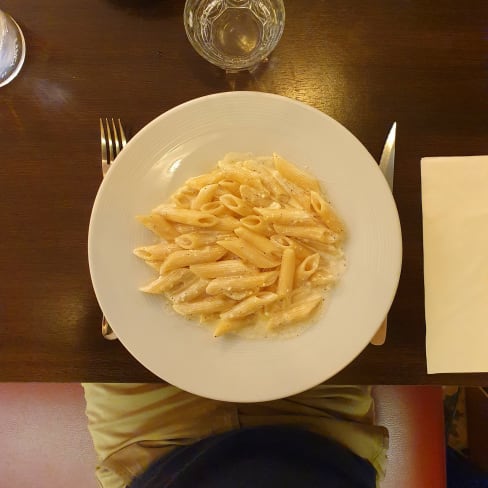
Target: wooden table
367	64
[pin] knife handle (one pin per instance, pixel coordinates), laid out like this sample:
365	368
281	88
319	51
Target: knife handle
380	336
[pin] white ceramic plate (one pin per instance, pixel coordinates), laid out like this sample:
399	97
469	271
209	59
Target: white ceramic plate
187	141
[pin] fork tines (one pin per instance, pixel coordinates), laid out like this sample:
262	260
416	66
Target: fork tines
112	138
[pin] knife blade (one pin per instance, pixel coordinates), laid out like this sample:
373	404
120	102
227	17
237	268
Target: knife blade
387	166
387	161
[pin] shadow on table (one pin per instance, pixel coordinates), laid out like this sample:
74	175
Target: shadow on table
212	76
150	8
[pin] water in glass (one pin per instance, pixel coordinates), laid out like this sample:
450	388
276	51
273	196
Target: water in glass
234	34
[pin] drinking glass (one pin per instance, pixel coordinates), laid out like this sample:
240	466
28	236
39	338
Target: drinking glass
234	34
12	48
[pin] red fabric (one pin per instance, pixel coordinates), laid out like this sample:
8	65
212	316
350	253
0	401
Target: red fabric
415	420
44	440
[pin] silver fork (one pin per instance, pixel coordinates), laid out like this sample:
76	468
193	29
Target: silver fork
112	142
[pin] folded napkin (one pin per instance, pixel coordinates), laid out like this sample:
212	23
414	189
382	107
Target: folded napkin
455	224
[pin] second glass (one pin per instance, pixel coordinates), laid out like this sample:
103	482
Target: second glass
12	48
234	34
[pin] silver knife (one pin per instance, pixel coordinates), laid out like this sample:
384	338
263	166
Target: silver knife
387	161
387	166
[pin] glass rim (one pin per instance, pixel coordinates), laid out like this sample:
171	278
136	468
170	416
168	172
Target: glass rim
232	63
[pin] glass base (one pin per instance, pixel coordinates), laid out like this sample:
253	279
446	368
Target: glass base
9	72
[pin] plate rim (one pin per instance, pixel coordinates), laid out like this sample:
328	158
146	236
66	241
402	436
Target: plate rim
253	94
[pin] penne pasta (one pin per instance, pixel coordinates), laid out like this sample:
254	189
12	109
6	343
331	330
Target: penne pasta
250	305
154	264
301	293
307	268
298	197
247	252
254	197
156	252
309	232
204	195
198	182
229	267
287	273
295	312
322	277
165	282
326	214
182	200
227	326
241	175
234	157
177	279
331	248
184	257
262	243
185	228
241	283
214	208
238	296
157	224
194	290
256	223
285	242
277	192
196	240
287	216
157	286
226	224
236	205
188	216
296	176
205	306
252	245
229	186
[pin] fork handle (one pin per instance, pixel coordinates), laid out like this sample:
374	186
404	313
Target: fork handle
107	331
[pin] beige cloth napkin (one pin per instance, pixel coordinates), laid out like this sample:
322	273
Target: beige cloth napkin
455	225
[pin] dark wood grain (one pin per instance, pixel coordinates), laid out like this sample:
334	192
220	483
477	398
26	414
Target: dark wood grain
367	64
